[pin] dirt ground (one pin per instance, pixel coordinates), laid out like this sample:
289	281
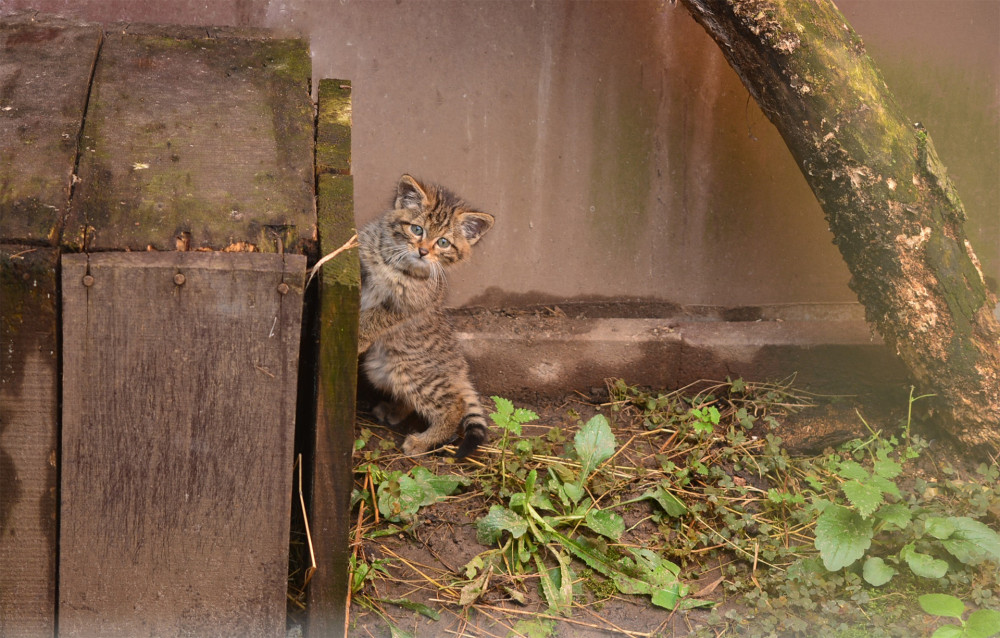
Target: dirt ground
443	540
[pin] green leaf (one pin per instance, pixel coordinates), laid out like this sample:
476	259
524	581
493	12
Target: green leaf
420	608
972	541
473	566
594	444
939	527
672	505
490	528
529	484
504	406
557	583
401	495
549	588
524	416
573	492
852	470
605	523
436	487
983	623
399	498
896	515
884	485
397	632
533	628
842	536
877	572
942	605
923	565
949	631
863	496
887	468
645	572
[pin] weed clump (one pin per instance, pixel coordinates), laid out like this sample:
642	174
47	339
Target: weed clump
689	500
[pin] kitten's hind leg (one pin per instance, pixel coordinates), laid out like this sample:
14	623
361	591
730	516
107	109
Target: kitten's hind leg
442	426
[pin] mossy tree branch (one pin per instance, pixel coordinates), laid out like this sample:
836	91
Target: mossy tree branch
894	213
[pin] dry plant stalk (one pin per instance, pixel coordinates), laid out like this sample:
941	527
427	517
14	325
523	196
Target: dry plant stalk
350	243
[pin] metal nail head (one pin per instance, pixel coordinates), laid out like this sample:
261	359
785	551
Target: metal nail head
88	280
282	288
179	279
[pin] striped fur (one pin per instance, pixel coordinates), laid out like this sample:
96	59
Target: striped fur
410	350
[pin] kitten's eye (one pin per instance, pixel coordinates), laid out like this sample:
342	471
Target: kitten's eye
417	230
443	243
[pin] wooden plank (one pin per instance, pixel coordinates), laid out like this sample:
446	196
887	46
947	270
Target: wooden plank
208	137
179	386
338	370
45	69
29	404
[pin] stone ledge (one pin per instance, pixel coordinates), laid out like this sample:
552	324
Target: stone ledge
553	355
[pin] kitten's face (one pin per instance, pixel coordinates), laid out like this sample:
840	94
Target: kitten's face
430	228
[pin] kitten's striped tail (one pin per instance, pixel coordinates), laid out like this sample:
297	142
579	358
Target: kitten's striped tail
476	433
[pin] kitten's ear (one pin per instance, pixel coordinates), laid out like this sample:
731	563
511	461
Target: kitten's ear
474	225
410	194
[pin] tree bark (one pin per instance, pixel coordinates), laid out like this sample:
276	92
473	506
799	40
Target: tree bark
895	215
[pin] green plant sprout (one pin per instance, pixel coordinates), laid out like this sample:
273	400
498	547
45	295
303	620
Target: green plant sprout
982	623
542	520
510	422
845	532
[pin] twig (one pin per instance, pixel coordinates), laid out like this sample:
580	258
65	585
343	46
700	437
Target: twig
357	544
351	243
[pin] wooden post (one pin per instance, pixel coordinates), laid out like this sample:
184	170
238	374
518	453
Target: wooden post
45	76
338	371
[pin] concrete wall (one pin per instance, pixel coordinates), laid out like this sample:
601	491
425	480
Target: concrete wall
620	154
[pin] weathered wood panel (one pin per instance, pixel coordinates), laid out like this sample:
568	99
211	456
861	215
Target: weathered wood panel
206	138
338	370
178	424
45	70
29	406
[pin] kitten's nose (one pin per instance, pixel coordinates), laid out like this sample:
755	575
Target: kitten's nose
423	251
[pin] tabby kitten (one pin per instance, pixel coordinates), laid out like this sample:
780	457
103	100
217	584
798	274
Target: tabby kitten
411	353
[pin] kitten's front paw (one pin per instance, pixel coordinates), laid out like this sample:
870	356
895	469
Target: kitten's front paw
412	446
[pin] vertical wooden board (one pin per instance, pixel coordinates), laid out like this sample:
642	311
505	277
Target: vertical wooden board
207	136
338	369
45	69
178	428
29	405
333	130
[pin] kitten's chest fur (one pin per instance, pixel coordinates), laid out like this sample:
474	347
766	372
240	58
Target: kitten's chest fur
383	286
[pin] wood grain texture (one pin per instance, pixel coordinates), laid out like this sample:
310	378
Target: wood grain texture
210	136
178	427
29	408
338	373
45	69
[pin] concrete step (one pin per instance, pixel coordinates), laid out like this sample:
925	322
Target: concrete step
829	348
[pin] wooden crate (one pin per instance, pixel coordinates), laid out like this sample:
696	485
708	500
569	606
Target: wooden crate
180	202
